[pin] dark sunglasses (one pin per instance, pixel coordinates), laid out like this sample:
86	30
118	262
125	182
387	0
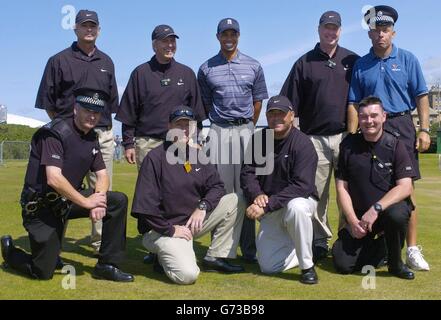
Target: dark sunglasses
181	113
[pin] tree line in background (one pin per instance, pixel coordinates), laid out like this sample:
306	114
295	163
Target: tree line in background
16	132
14	141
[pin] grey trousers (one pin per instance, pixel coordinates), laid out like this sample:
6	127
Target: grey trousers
285	237
227	147
176	255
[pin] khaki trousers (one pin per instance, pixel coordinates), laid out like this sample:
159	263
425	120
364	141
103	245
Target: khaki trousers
144	145
107	148
327	148
176	255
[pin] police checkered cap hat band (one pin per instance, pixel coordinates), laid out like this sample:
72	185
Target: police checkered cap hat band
92	99
381	16
86	15
279	103
228	24
330	17
163	31
181	112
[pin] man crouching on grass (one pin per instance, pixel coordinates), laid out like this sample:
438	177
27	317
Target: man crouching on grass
374	183
177	202
62	153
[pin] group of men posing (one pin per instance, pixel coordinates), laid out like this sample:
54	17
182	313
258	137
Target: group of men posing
179	197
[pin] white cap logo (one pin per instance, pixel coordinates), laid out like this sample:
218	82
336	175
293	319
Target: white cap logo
229	21
95	96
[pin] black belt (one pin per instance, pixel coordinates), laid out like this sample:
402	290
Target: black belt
236	122
106	128
32	201
397	114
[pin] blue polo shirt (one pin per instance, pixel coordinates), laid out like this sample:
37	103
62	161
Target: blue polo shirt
397	80
229	88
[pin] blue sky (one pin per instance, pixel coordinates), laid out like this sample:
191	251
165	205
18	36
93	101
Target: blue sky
274	32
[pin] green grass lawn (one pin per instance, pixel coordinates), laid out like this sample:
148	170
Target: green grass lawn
250	285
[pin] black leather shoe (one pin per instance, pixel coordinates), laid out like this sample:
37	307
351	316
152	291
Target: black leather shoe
6	247
403	273
250	260
109	272
309	276
149	258
60	263
221	264
319	253
156	265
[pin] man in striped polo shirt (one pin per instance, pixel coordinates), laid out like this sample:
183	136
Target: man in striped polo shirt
232	88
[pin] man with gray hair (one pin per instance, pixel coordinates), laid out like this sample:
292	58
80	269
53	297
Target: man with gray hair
154	88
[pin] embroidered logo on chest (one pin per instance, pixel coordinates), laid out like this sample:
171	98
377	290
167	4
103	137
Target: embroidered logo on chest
395	67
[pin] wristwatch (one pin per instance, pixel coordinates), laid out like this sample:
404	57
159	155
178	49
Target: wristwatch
378	207
426	130
202	205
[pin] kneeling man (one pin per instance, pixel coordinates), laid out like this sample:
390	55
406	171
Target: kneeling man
178	198
285	200
374	183
62	153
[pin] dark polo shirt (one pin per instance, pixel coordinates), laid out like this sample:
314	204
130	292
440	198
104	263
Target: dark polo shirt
80	154
369	178
153	91
71	69
295	164
166	194
317	86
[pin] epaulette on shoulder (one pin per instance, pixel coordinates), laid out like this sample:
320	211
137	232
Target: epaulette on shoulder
59	127
390	138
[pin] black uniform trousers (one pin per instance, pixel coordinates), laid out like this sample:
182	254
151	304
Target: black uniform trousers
46	231
403	125
351	254
247	240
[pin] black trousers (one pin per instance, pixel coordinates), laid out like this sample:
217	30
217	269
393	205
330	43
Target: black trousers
405	127
247	240
46	231
351	254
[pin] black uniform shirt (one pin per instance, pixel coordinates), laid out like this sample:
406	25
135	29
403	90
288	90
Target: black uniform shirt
80	154
152	92
317	86
371	169
295	164
71	69
166	194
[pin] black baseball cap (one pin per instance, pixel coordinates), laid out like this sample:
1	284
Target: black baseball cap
228	24
381	16
163	31
330	17
91	99
279	103
181	112
86	15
